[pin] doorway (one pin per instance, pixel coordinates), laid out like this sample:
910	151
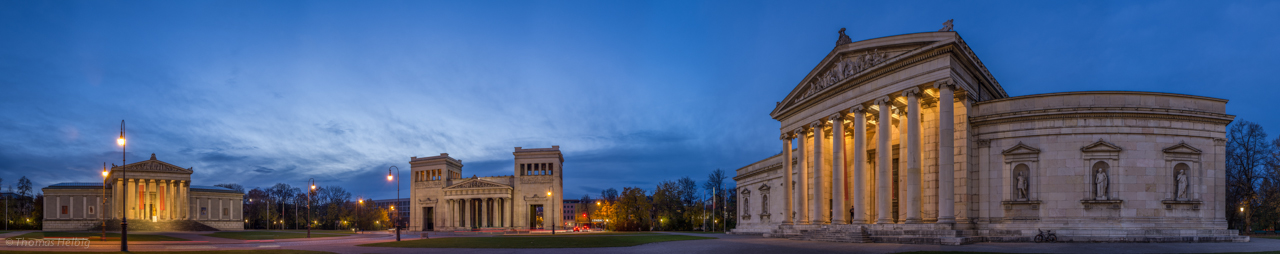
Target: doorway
535	216
428	219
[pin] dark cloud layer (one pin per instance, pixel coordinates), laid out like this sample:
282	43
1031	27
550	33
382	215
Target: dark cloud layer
634	93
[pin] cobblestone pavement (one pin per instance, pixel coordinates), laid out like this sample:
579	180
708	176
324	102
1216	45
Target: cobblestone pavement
724	244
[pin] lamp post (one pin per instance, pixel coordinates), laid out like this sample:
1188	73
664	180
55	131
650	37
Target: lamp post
312	182
124	218
396	223
104	201
360	202
553	212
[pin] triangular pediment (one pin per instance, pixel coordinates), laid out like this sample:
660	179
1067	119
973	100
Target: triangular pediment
838	68
851	64
1182	147
1101	146
153	165
476	184
1021	149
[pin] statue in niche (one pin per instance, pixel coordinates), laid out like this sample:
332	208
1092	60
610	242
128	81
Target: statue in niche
746	207
1182	185
1022	186
1100	184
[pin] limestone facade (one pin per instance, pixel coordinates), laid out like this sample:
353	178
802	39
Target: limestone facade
909	138
444	200
151	191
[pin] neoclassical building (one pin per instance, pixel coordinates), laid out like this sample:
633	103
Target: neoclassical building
909	138
156	192
443	199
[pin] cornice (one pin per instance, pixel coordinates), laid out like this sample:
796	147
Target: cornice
1103	112
746	171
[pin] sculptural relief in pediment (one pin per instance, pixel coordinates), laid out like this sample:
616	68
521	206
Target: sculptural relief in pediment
476	184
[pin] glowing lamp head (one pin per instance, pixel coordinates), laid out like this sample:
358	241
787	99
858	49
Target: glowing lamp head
361	201
548	193
120	141
313	187
104	173
389	177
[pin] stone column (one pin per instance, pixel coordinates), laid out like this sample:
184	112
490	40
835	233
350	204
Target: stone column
131	198
838	209
152	186
901	186
117	198
186	199
788	202
512	205
946	152
883	160
819	203
913	155
466	213
803	188
859	162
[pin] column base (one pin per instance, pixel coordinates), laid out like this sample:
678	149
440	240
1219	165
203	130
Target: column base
839	221
946	220
913	221
884	221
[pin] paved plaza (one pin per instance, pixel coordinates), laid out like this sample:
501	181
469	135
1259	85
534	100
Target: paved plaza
723	244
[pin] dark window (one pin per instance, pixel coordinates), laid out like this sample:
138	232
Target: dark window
64	209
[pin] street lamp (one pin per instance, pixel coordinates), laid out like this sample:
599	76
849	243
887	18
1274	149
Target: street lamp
360	200
124	219
553	212
104	201
311	181
395	224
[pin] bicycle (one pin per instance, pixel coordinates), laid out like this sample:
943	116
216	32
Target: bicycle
1046	236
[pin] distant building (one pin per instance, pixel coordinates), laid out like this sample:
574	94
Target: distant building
442	199
400	204
570	215
155	191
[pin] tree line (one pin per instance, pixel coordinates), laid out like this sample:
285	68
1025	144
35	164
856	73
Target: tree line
671	206
282	206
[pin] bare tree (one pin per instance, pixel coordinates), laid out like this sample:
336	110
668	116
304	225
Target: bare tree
1247	151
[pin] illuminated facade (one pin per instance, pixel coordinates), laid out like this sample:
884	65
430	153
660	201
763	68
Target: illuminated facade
156	192
444	200
910	139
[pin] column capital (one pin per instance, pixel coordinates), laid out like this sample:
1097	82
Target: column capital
786	136
836	118
801	131
911	92
818	124
857	109
946	82
884	101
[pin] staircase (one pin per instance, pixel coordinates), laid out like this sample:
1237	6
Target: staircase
145	225
845	234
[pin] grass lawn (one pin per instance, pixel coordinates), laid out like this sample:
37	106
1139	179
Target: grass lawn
267	235
587	234
699	232
504	242
186	252
313	231
98	236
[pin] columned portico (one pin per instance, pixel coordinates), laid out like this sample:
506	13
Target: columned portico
853	188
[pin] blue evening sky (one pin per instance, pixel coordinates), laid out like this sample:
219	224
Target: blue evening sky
633	92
